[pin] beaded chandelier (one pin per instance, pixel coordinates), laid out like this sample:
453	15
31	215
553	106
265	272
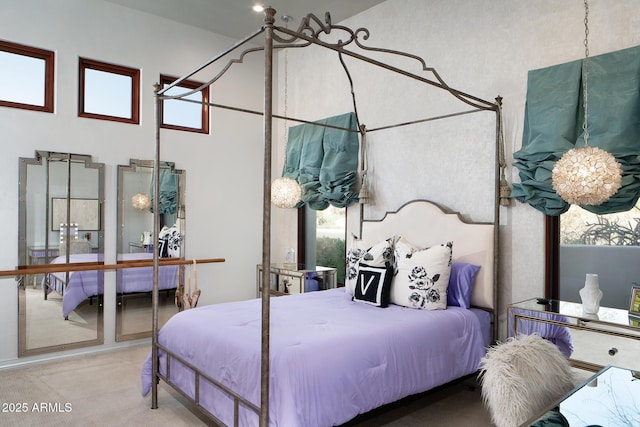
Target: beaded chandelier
285	192
141	201
586	176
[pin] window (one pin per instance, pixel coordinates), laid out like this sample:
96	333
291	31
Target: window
109	92
607	245
331	226
190	116
322	238
26	77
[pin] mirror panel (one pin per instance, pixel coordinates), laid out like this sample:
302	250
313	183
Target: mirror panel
136	242
61	221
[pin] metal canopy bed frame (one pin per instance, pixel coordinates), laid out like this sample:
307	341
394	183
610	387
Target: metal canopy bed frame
309	32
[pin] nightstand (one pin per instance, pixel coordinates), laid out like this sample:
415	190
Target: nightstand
611	337
294	279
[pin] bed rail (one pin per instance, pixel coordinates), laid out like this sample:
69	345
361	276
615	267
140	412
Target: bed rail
237	399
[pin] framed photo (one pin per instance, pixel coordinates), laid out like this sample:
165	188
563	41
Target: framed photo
84	212
634	302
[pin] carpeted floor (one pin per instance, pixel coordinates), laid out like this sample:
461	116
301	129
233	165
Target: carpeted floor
104	390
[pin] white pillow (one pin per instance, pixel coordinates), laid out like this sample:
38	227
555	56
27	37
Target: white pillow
402	249
423	278
170	241
378	255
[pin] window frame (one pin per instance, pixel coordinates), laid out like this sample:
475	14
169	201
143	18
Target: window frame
49	75
166	79
552	257
133	73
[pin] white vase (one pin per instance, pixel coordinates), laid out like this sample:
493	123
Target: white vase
591	294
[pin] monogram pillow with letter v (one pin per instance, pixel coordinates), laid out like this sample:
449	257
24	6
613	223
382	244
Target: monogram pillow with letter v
373	285
378	255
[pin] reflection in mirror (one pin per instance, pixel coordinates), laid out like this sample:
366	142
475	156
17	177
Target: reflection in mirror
136	242
61	222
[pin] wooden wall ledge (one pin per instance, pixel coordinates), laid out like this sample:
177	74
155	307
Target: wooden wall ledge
88	266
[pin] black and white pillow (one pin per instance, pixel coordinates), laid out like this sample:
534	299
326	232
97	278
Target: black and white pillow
422	278
169	242
373	285
378	255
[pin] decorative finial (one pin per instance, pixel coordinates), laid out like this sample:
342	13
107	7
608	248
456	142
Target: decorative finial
269	15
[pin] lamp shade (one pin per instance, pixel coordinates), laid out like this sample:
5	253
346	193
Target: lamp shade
141	201
285	192
586	176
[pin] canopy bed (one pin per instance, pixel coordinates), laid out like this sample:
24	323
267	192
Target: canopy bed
328	376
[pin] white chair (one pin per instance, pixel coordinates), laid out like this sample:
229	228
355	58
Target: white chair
521	377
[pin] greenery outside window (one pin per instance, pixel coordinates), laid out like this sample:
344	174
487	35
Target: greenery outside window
581	242
191	116
109	92
330	239
26	77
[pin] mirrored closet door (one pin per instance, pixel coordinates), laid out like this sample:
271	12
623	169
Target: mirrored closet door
136	242
61	221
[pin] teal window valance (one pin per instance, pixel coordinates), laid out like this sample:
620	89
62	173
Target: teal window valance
167	202
324	161
553	125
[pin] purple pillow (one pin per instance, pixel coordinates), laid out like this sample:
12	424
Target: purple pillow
461	282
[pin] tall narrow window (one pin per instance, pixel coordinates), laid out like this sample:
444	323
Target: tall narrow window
26	77
607	245
321	237
191	115
331	226
109	92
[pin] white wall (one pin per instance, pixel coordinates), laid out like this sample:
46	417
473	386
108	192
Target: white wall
485	48
223	170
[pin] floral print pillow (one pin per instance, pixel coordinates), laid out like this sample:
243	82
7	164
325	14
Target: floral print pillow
423	277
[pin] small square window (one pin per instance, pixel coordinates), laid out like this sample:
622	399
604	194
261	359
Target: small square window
109	92
191	115
26	77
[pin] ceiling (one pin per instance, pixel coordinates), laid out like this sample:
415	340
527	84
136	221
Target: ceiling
236	19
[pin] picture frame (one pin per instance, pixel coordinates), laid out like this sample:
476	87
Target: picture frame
634	301
84	212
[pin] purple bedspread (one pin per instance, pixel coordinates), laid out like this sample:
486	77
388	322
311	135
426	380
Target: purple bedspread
140	279
331	358
85	284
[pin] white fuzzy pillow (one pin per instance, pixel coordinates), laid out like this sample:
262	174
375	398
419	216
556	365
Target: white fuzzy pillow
422	278
522	377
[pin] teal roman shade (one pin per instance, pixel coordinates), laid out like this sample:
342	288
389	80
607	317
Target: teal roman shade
324	161
168	192
553	125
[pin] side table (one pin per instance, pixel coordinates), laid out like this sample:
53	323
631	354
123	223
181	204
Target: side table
288	279
609	398
610	337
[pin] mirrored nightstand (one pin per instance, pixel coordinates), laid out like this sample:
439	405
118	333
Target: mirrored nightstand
294	279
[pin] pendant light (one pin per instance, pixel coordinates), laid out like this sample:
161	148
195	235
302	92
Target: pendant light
586	175
141	201
285	191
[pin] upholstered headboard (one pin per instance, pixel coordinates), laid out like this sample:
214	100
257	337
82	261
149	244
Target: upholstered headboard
425	224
